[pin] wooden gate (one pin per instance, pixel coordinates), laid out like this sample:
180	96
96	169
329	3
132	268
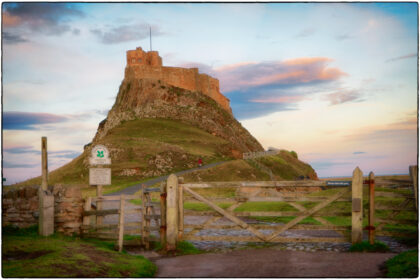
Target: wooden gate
93	225
350	192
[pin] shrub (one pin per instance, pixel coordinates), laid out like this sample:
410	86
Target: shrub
294	154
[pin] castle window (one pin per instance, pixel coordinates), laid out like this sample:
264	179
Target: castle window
133	60
139	60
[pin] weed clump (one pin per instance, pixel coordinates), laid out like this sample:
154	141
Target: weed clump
365	246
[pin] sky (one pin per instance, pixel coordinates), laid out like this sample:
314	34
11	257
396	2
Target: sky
335	82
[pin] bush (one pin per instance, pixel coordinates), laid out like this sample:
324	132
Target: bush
365	246
294	154
404	265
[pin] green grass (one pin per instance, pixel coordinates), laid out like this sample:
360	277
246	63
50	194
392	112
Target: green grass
365	246
404	265
25	254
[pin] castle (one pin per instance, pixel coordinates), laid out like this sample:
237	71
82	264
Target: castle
141	64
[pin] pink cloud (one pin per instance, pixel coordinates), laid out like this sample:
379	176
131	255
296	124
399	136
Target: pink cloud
277	73
343	96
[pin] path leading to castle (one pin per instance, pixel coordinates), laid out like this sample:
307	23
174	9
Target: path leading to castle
135	188
274	263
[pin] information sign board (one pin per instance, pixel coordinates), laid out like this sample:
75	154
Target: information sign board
99	176
99	155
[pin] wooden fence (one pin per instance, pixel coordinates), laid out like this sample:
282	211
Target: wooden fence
348	192
94	227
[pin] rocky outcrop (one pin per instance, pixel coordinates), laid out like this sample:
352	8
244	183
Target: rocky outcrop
150	98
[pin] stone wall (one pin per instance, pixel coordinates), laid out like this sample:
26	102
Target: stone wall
20	208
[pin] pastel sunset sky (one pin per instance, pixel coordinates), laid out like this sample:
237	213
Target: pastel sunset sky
335	82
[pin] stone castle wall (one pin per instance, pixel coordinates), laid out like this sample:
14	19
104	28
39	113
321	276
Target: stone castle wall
142	64
20	208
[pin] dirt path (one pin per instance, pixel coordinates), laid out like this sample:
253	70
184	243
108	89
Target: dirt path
274	263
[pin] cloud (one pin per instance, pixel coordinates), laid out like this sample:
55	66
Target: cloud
7	164
45	18
411	55
125	33
261	88
9	38
21	150
359	153
64	154
26	121
306	32
343	96
291	72
342	37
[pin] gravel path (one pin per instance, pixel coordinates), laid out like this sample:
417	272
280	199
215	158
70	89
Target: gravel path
274	263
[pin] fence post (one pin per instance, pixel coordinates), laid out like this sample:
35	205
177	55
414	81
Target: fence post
172	210
163	215
121	224
413	174
371	208
181	209
99	219
45	199
86	219
357	206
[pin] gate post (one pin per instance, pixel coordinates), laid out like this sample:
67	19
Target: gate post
172	210
163	195
371	208
181	209
357	206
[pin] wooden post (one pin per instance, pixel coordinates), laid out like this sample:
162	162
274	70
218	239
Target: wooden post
45	199
371	208
147	221
357	206
121	224
99	219
414	177
163	215
181	209
44	163
172	210
143	217
86	219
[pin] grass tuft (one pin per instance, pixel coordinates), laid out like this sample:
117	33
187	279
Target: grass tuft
365	246
404	265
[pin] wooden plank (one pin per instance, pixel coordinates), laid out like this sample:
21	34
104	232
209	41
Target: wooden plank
132	224
98	227
394	233
147	216
357	197
172	210
143	218
226	214
255	239
296	227
121	224
308	213
100	212
151	216
259	184
371	218
414	177
151	208
132	231
294	199
115	197
132	242
391	194
268	214
390	208
397	222
108	236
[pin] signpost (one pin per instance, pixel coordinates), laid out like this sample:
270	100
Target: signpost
99	176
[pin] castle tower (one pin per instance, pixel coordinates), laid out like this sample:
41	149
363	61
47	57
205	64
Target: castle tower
139	57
